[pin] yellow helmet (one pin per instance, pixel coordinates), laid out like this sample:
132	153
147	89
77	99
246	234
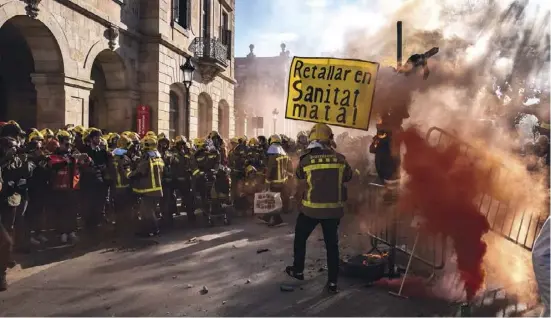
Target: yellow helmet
47	133
103	141
253	142
35	135
79	130
180	138
161	136
321	132
113	137
63	134
89	131
274	139
124	142
150	134
127	134
199	142
136	136
149	143
234	140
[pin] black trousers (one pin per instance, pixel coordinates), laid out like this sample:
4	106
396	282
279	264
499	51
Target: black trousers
304	227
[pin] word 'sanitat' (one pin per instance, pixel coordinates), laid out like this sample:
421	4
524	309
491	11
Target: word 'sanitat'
332	91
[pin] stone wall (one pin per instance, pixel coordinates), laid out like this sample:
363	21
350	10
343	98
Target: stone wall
140	65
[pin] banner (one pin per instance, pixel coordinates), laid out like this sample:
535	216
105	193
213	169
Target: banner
143	120
332	91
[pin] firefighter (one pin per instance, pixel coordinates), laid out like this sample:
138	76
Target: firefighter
119	169
112	140
14	169
278	167
38	189
182	167
168	205
64	167
236	162
255	156
146	181
92	183
48	134
323	201
302	143
263	143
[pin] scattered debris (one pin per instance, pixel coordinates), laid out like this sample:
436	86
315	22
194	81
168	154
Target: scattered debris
234	246
223	302
189	286
174	277
321	269
192	240
286	288
204	290
248	281
262	250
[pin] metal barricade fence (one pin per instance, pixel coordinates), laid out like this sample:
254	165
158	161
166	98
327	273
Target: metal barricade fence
506	218
393	229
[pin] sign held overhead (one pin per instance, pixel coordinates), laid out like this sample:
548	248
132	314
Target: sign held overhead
332	91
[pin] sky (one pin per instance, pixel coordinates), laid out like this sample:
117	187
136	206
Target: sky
309	27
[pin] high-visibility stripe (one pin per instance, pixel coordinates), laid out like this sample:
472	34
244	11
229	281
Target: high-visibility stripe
119	179
544	126
323	166
314	205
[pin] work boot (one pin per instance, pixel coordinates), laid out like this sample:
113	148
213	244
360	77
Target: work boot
290	270
3	282
332	288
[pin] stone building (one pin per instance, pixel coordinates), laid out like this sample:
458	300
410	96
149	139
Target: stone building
93	62
261	88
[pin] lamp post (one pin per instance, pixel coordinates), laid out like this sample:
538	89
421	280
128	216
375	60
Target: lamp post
275	112
187	70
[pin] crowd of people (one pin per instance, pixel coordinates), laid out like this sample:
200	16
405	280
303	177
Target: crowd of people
77	180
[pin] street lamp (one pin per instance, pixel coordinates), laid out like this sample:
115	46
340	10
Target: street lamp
187	70
275	112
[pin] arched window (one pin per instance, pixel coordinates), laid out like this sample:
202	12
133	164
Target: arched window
174	114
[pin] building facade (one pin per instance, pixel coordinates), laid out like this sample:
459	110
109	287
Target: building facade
261	91
94	62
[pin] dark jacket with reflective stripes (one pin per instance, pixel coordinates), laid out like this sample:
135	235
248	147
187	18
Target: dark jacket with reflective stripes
147	178
325	172
278	168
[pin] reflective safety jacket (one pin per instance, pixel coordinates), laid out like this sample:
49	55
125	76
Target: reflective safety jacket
237	158
278	167
147	177
325	172
119	170
182	166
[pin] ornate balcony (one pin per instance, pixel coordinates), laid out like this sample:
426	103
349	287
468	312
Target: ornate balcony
211	56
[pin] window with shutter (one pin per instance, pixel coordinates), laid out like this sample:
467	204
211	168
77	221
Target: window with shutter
174	114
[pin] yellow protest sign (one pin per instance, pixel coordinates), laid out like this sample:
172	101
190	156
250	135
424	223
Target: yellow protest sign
332	91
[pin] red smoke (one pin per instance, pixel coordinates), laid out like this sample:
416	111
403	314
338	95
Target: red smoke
442	186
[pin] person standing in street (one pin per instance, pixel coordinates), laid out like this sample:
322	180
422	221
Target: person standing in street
541	254
322	173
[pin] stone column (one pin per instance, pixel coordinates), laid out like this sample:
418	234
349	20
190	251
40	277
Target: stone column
77	99
50	100
121	109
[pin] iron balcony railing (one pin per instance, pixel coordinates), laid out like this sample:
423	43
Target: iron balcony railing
210	48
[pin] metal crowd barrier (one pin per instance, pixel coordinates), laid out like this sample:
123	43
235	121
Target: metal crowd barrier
389	229
506	219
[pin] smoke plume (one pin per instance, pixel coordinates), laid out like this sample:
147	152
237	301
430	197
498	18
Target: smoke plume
490	52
